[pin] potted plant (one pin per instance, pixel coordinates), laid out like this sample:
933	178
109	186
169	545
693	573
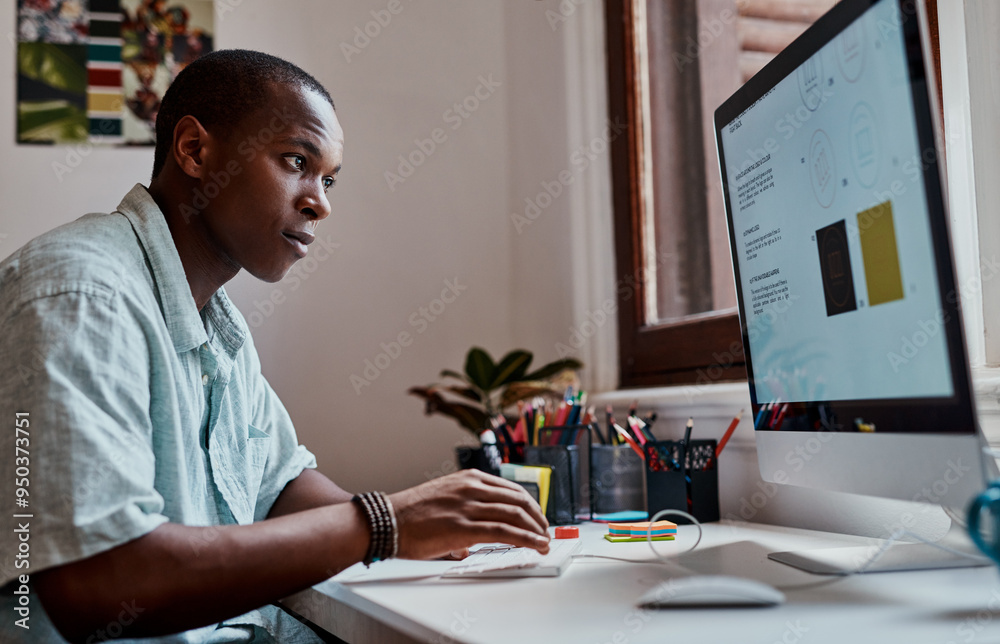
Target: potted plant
487	388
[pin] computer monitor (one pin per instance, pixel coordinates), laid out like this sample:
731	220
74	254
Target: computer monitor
847	295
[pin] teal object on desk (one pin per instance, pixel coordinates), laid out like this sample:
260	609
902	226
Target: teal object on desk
987	503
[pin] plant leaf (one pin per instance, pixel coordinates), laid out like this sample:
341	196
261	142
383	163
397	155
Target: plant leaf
467	416
526	389
449	373
466	392
513	367
479	369
553	368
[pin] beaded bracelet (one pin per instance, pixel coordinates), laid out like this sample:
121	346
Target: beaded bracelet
382	520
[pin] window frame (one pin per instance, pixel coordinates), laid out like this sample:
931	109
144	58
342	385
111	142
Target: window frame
699	349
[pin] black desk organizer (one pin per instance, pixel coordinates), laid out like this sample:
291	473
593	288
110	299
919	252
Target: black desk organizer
692	486
567	488
617	479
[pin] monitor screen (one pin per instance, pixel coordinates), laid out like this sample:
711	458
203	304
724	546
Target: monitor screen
839	236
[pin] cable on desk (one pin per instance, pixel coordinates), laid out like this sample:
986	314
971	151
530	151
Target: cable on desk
660	559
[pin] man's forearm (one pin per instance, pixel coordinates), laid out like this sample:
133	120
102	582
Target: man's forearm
310	489
183	577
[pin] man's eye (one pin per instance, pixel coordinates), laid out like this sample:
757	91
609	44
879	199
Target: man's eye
296	161
328	182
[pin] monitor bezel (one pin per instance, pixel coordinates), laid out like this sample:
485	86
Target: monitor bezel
928	415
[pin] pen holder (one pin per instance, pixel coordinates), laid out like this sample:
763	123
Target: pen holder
692	486
616	478
564	499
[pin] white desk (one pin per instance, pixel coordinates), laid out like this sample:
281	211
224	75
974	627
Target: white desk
594	600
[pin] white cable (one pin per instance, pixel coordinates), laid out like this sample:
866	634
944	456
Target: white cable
660	559
655	517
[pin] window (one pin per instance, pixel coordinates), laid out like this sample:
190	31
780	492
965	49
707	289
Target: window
670	64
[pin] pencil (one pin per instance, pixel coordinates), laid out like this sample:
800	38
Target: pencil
729	432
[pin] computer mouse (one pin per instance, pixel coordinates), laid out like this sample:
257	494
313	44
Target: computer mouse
706	591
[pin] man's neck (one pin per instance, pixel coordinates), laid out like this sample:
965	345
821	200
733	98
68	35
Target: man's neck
206	270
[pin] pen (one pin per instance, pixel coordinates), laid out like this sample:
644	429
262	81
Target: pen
684	460
687	442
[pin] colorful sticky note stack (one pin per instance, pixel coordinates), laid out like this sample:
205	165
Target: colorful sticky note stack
621	532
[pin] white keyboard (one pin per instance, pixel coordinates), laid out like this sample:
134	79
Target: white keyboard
509	561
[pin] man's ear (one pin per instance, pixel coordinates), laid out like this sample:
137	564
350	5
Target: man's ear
192	143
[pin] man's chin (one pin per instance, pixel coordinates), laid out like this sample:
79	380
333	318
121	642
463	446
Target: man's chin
270	274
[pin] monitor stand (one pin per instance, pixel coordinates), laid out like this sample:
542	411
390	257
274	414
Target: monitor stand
899	557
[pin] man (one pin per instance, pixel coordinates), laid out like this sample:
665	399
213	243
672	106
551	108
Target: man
167	490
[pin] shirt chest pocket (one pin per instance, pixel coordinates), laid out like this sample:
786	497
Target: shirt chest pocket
238	466
255	453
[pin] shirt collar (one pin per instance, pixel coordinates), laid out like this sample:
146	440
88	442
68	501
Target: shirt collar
176	301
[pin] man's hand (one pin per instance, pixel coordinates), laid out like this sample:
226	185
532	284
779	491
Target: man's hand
456	511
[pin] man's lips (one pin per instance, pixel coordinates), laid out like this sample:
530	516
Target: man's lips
299	239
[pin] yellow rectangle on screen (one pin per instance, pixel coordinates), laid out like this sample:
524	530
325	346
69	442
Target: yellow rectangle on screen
880	254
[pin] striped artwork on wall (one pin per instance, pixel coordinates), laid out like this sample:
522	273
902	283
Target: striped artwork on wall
95	70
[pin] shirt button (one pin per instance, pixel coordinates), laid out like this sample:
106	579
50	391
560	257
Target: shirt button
204	379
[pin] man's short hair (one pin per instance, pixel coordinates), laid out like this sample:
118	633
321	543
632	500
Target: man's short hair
221	89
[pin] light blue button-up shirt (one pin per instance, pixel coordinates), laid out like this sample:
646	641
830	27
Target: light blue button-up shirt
140	408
